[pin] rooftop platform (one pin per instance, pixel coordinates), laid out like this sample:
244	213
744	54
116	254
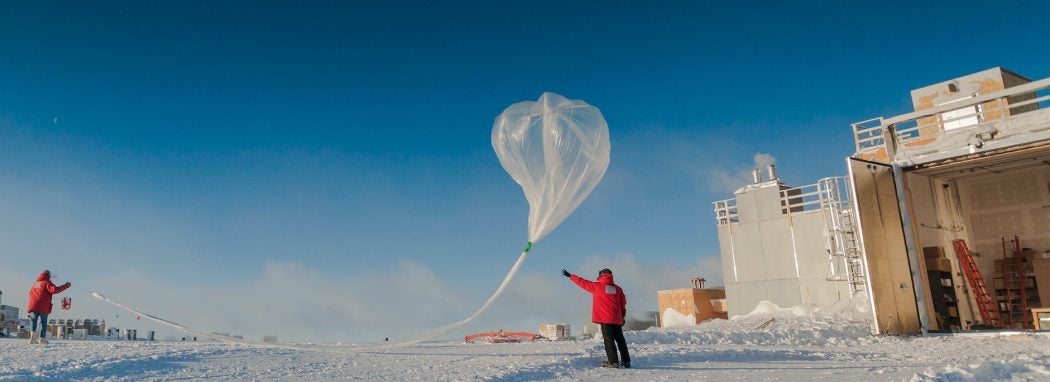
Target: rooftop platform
971	125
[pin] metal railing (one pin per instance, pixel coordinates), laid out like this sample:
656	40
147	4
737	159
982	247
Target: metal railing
725	212
961	117
868	134
801	199
825	193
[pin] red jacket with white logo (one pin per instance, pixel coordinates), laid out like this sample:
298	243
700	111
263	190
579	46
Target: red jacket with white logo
41	292
608	303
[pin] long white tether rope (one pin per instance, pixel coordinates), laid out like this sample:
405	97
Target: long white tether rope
406	342
456	325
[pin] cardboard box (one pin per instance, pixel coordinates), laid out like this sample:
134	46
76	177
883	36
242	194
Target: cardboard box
938	264
555	331
998	283
932	252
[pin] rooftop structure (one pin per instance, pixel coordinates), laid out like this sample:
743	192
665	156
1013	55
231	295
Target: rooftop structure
969	116
970	165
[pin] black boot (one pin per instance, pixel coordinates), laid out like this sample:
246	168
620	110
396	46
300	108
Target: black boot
626	365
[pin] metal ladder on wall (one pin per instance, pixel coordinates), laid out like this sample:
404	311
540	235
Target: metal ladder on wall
1013	271
985	303
842	244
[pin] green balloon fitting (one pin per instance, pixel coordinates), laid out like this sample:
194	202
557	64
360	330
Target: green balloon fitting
528	247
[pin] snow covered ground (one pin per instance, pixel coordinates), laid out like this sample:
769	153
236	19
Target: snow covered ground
797	345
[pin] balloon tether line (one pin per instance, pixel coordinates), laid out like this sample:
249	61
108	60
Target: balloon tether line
456	325
409	341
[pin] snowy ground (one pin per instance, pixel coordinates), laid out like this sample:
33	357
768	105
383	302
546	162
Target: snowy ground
797	346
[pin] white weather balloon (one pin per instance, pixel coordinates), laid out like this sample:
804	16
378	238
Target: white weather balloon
557	150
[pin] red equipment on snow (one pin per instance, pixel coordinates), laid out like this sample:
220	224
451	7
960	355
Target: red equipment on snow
67	303
502	337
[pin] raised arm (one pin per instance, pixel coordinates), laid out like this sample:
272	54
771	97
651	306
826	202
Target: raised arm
51	288
587	285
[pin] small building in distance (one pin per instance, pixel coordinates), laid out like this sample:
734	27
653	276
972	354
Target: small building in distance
690	306
76	328
8	318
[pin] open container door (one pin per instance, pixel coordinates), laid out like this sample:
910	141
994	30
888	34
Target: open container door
888	272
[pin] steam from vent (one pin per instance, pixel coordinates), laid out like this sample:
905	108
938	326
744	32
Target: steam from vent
763	160
728	179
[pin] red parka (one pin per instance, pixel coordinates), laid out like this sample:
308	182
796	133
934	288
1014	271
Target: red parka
41	292
608	303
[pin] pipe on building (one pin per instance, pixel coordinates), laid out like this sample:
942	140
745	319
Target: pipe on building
772	168
756	176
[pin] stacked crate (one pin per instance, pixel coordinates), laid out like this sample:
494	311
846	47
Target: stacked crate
556	332
942	288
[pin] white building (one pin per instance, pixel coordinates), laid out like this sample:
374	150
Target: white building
790	246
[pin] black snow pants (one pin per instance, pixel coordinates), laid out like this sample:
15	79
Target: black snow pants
613	336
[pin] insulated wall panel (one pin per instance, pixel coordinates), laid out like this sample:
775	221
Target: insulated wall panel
748	252
725	247
733	303
784	293
746	209
749	295
778	250
768	202
817	291
811	245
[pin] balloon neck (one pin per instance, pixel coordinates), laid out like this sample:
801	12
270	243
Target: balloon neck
528	246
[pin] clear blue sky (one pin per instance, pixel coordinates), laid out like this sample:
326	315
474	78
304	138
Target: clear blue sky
217	162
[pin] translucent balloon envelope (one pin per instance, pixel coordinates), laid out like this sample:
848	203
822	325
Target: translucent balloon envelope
557	149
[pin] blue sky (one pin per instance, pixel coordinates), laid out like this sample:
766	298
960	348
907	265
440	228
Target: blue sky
218	162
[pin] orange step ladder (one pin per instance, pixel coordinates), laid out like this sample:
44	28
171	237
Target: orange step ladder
985	303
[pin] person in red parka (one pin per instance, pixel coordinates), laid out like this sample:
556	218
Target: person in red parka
608	309
40	304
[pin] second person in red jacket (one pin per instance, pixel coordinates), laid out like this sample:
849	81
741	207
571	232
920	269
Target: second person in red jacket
608	309
40	304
